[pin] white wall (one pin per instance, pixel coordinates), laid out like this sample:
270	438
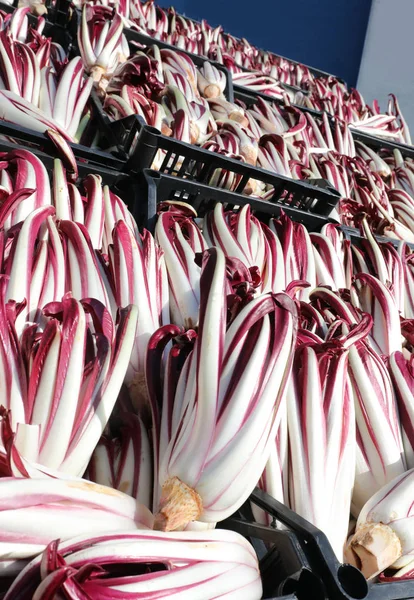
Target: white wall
388	58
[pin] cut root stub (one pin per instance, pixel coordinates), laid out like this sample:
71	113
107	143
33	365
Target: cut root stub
179	505
212	91
37	8
100	79
373	548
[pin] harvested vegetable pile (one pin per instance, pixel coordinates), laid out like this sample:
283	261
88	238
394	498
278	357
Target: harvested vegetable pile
150	380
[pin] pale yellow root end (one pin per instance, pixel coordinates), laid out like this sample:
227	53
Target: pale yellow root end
212	91
193	82
194	133
38	9
373	548
250	154
179	505
239	118
251	187
97	73
101	82
166	130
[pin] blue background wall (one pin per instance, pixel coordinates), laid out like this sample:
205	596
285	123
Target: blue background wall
328	34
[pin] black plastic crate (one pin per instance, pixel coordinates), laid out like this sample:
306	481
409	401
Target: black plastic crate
158	187
123	184
357	238
284	566
191	162
33	140
301	561
378	143
286	86
241	90
318	73
331	579
60	10
294	556
8	8
250	97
